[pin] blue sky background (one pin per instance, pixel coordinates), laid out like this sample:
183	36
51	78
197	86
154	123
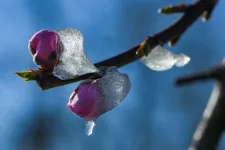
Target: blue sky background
156	114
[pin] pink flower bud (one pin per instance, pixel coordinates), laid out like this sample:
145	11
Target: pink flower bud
93	98
85	100
43	47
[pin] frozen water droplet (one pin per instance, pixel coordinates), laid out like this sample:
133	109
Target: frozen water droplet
160	59
89	127
73	61
114	87
182	60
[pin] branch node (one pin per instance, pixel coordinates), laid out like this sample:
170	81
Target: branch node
146	46
207	14
173	41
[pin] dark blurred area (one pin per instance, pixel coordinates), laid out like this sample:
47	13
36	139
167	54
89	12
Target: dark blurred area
156	115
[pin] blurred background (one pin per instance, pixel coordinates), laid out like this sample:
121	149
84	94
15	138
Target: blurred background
156	115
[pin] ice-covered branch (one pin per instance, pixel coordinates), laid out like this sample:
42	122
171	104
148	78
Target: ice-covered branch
171	34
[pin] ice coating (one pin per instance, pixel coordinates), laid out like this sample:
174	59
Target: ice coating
93	98
160	59
89	127
73	61
114	87
182	60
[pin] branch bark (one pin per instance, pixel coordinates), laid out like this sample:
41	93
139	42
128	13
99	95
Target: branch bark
210	129
192	12
212	124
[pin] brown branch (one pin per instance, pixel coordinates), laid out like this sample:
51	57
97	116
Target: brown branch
212	124
216	72
191	14
210	129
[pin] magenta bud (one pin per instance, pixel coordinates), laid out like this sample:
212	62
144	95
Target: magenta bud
43	47
84	101
93	98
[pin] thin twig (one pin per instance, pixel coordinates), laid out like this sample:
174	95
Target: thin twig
191	14
171	9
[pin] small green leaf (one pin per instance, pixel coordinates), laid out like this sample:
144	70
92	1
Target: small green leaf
28	75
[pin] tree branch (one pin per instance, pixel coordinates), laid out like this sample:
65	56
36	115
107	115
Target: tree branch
171	34
212	125
216	72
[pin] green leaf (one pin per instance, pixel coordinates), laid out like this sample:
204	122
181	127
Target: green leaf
28	75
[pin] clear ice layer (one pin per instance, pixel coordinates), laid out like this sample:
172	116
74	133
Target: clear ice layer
160	59
114	87
73	61
89	127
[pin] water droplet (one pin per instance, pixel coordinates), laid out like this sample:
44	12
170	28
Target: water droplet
182	60
160	59
89	127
